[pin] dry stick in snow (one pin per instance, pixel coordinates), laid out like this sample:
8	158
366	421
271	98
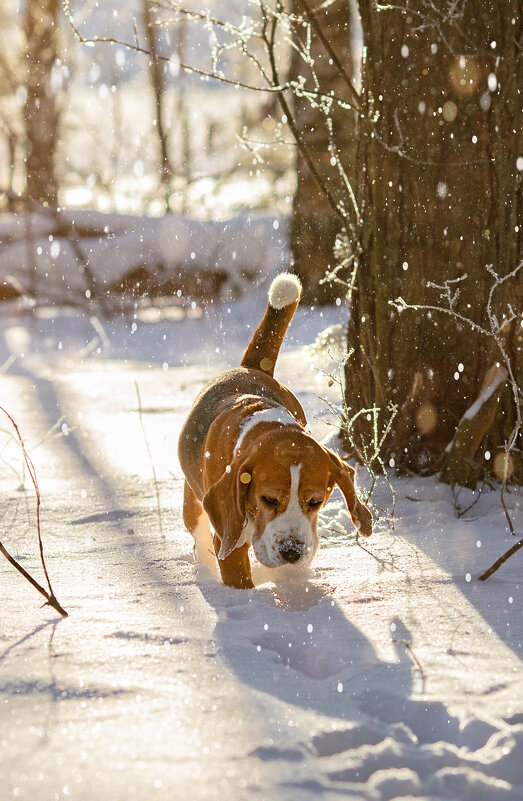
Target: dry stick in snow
50	596
156	486
414	657
51	600
502	559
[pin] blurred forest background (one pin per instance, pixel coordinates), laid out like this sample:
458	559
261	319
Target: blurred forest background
117	130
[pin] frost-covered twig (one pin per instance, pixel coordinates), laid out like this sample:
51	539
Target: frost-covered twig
311	16
50	596
268	36
137	48
368	454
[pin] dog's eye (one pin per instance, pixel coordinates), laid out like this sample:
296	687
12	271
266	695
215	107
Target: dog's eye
315	503
272	502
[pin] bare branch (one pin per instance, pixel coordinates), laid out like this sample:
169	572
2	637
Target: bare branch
269	41
502	559
51	598
311	16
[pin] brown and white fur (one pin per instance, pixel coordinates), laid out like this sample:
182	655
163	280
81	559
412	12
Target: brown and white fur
252	470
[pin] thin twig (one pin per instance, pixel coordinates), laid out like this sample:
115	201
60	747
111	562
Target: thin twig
408	646
502	559
32	473
51	599
312	18
455	494
502	498
155	478
145	51
300	144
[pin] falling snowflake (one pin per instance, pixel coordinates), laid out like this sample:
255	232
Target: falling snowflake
442	189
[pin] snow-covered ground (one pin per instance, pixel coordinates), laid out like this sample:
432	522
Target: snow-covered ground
387	672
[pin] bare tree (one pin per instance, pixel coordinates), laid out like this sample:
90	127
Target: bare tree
41	112
440	134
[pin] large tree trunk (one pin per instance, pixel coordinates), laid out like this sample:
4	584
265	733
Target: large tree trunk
441	193
41	114
315	225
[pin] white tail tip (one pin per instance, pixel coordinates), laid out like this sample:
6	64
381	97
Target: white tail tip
285	289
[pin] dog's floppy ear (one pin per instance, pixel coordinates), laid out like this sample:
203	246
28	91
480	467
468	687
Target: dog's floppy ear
224	502
343	475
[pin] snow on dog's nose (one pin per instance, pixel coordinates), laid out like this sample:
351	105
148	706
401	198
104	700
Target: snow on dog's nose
290	551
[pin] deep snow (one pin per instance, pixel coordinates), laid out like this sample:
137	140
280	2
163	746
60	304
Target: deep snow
386	672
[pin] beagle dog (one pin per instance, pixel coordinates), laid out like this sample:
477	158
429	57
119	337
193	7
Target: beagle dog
252	470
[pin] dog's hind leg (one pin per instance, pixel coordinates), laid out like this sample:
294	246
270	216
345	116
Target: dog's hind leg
197	523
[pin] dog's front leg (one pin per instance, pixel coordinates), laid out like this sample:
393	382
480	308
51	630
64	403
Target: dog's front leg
235	568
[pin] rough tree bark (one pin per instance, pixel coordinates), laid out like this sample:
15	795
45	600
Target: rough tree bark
315	225
41	112
440	192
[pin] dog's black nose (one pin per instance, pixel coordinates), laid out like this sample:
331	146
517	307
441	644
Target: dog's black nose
291	551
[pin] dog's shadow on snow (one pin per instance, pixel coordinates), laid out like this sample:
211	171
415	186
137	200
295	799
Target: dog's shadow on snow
292	640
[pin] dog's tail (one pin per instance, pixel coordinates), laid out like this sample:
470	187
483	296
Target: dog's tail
264	347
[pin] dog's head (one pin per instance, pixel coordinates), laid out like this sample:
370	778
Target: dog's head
278	487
